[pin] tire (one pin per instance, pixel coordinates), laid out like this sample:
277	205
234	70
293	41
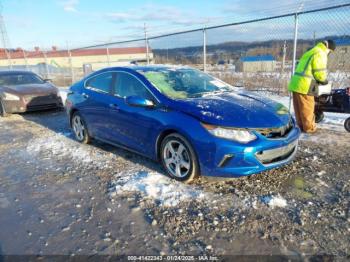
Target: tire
319	116
347	124
80	129
2	110
182	166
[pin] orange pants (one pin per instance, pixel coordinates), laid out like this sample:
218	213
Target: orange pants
304	106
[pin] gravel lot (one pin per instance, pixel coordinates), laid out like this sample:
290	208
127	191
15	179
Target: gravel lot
60	197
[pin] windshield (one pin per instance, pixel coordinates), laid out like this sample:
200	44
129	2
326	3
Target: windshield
184	83
20	79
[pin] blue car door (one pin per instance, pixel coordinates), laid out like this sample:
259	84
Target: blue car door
134	127
97	95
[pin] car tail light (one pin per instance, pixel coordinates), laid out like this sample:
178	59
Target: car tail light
348	91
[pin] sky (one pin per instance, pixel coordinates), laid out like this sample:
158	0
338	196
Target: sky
77	23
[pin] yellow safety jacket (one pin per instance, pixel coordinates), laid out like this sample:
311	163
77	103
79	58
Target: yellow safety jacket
312	65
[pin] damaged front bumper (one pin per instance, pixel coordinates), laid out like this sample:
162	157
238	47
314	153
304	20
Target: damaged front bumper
233	160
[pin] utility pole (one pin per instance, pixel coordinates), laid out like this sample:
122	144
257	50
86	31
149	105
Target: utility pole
4	38
146	42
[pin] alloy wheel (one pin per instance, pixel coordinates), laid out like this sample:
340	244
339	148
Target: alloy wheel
176	158
78	127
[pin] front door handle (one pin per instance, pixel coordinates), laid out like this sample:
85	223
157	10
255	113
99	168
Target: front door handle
114	106
85	95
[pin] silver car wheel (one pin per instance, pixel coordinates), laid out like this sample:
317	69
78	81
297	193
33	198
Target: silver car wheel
79	128
176	158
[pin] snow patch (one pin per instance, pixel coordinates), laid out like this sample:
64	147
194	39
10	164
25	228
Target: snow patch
274	201
154	186
211	114
60	145
321	173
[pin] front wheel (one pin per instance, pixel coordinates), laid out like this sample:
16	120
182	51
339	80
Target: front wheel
178	158
80	129
347	124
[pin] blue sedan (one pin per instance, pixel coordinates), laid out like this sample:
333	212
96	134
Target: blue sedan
191	122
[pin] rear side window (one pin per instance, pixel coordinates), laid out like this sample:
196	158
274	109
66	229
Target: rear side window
100	83
128	85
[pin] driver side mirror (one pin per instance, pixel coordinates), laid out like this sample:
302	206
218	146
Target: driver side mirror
139	102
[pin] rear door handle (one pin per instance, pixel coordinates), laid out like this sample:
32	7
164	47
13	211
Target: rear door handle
114	106
85	95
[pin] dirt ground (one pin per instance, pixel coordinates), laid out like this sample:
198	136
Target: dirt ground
60	197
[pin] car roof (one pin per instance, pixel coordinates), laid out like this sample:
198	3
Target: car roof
149	67
15	72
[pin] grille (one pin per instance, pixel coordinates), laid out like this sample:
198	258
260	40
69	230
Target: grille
36	100
276	155
35	103
41	107
275	133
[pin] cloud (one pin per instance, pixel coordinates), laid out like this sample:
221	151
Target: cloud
121	17
69	5
156	13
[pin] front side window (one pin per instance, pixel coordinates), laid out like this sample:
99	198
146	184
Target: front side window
128	85
20	79
184	82
100	83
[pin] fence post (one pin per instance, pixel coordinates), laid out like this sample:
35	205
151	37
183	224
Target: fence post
146	42
46	65
108	57
25	59
8	58
204	49
296	18
70	64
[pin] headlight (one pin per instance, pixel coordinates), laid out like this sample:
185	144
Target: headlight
10	97
242	136
282	110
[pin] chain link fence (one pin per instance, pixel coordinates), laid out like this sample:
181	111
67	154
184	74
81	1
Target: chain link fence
258	54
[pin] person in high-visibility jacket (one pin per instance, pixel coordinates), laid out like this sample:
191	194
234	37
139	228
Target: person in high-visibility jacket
312	66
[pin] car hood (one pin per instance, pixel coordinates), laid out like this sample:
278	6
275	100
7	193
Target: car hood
31	89
241	110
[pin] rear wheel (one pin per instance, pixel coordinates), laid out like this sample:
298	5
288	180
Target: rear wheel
2	110
347	124
319	116
178	158
80	129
